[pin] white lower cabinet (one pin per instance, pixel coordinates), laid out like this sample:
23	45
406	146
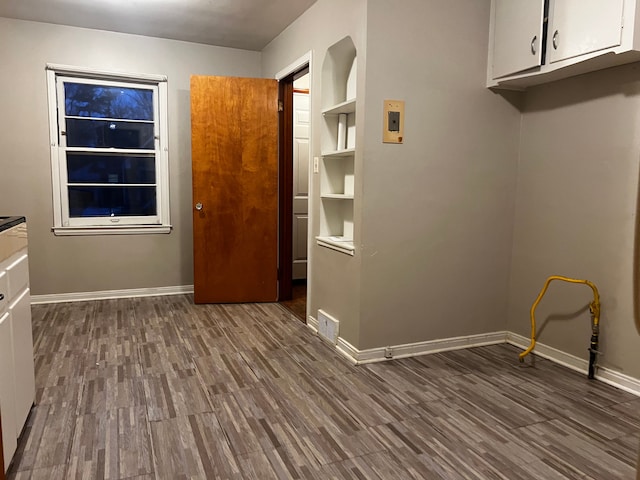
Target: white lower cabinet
7	391
25	387
17	376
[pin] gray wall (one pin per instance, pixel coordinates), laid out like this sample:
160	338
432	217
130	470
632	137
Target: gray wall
576	213
333	278
82	264
438	209
433	216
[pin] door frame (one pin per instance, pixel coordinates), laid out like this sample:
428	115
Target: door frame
285	79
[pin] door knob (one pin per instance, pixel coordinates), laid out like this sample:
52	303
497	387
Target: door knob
198	206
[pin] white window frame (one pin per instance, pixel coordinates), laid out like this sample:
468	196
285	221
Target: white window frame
63	224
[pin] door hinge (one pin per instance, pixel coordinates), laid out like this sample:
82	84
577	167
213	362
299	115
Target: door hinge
280	106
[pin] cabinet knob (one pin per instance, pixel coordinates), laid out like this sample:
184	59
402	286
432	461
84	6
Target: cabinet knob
533	44
1	296
198	206
555	40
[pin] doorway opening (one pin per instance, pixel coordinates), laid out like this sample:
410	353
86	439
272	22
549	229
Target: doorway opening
294	167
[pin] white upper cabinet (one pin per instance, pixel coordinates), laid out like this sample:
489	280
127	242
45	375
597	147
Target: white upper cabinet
517	36
578	27
537	41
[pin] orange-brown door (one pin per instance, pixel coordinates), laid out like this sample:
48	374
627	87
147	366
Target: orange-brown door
234	144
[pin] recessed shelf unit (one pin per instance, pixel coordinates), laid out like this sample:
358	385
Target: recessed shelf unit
338	146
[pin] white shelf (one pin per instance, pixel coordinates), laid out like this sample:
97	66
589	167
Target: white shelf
335	243
347	152
339	196
338	147
344	107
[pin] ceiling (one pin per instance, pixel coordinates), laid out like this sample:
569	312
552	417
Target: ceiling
246	24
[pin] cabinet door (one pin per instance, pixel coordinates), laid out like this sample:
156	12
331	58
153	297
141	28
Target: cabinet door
4	291
25	388
517	35
578	27
7	391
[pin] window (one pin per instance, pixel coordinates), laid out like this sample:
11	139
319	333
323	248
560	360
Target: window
109	155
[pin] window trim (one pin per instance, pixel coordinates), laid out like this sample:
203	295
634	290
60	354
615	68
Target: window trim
162	161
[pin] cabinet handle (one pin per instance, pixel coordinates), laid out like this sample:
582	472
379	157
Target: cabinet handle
533	44
555	40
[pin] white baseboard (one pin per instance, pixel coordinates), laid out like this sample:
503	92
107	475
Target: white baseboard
111	294
604	374
550	353
381	354
312	323
619	380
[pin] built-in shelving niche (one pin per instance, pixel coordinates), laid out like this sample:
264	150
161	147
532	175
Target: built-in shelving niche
338	147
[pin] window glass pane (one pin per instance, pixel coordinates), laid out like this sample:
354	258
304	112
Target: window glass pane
111	201
104	134
84	168
100	101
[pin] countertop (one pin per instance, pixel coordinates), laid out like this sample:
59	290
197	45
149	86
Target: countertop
13	236
8	222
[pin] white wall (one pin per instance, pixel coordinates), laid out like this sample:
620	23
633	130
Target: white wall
576	214
82	264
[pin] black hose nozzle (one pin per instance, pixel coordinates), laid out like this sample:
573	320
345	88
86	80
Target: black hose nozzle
593	352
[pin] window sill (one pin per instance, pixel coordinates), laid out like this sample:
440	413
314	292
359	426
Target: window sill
115	230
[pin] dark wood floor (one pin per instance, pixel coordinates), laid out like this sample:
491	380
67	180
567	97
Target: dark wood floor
298	303
160	388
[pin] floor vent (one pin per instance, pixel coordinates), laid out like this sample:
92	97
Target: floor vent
328	327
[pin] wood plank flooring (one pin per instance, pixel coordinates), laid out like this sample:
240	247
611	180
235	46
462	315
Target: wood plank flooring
159	388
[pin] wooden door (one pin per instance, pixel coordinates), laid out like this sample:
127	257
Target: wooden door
234	144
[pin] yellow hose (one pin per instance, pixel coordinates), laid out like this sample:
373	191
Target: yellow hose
594	308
